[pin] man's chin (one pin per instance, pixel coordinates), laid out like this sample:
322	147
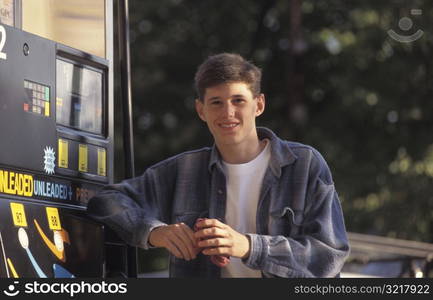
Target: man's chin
227	140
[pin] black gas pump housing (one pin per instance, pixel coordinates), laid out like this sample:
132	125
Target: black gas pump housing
56	137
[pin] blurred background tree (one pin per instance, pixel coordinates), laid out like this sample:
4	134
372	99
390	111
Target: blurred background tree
333	79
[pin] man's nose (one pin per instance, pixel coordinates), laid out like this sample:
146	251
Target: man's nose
229	110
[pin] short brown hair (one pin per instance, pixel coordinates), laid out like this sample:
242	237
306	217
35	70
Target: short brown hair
224	68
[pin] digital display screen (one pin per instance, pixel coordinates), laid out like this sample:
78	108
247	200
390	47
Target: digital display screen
79	97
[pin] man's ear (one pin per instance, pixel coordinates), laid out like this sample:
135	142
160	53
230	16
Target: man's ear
260	105
199	109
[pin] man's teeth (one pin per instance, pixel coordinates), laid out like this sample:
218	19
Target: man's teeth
228	125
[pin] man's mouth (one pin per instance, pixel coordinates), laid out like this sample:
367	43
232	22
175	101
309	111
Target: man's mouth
228	125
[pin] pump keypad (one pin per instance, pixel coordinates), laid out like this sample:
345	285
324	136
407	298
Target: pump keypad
38	98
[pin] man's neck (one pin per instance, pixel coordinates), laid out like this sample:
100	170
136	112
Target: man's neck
241	154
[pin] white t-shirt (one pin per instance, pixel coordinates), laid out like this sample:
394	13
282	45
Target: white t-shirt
244	183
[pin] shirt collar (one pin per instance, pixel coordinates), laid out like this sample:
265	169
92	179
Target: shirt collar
281	154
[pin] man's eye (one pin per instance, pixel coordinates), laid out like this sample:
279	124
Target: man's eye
215	102
238	100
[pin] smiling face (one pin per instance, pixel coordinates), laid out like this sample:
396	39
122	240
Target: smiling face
230	111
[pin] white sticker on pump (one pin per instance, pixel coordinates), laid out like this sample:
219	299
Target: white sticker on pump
49	160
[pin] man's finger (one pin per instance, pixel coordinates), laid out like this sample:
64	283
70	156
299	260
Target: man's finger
187	237
189	234
217	251
179	238
210	223
218	242
209	232
172	248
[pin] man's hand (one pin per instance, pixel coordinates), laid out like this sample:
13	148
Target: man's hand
178	239
221	239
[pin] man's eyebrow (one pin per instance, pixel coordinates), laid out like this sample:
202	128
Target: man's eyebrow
232	96
213	98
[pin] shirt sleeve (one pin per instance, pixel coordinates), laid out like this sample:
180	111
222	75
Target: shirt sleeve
131	208
319	246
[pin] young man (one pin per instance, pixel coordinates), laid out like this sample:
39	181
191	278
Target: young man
267	204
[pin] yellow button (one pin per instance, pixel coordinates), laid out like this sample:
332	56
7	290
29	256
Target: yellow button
47	109
63	153
82	158
102	162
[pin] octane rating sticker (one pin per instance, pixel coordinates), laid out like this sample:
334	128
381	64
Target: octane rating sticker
53	218
18	214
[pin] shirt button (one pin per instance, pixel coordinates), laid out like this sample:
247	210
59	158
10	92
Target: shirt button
220	191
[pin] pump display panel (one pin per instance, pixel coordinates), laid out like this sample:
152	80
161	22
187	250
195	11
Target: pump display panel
79	97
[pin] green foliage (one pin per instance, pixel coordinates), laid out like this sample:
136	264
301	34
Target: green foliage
340	83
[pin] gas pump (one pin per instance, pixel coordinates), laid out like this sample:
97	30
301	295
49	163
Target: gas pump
56	137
